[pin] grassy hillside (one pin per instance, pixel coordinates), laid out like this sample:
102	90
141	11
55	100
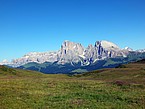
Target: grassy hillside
132	73
11	72
117	88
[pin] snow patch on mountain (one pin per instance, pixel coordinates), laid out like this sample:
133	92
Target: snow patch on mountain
141	50
4	62
128	48
108	45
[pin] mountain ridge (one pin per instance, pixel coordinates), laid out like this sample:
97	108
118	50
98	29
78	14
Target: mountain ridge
71	52
73	57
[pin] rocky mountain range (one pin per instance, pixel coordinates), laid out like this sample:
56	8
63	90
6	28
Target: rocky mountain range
73	54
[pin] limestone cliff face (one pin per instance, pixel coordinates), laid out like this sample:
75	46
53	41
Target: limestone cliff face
102	50
70	52
37	57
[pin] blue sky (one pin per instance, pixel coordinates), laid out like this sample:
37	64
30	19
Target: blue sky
42	25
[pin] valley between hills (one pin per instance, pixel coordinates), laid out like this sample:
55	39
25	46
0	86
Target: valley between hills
122	87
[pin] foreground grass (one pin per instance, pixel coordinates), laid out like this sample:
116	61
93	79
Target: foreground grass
88	91
62	92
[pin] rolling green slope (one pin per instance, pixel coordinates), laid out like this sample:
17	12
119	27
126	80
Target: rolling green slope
131	73
113	88
11	72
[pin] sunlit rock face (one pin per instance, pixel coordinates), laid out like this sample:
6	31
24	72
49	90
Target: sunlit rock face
71	52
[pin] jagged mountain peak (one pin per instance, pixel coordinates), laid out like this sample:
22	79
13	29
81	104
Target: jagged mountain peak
5	61
128	49
68	45
72	52
107	44
90	46
141	50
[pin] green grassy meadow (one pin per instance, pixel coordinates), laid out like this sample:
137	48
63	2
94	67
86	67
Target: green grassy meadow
117	88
